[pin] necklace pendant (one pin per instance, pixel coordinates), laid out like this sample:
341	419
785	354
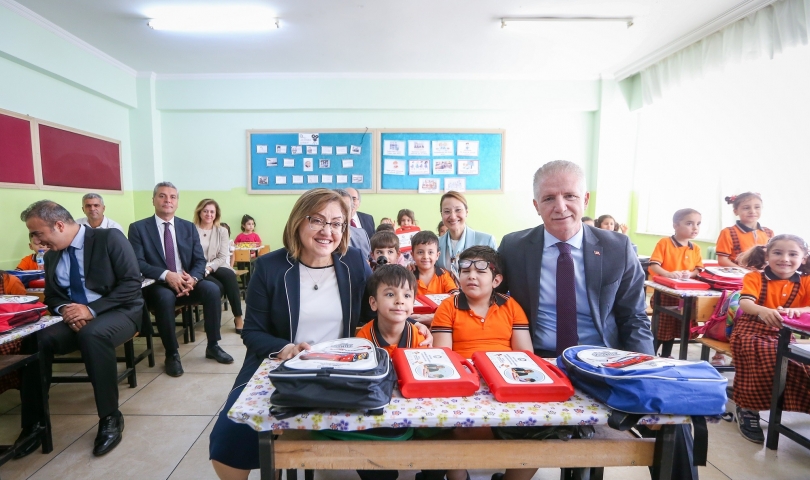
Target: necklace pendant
316	286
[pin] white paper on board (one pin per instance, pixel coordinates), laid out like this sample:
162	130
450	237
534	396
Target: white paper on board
272	162
342	179
443	167
296	149
442	148
298	179
394	147
348	163
289	162
263	180
281	148
357	179
308	138
261	148
308	164
429	185
326	150
326	178
467	167
312	178
281	179
312	150
419	167
456	184
355	150
393	167
341	150
418	147
324	163
468	148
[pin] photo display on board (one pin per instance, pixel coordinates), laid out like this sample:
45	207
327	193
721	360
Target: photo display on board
440	161
290	162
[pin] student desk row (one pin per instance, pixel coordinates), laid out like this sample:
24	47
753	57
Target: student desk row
700	301
470	445
785	351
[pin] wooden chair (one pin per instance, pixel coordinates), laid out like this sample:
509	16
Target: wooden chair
263	250
708	344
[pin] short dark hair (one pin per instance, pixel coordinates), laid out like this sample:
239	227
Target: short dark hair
587	219
384	240
682	213
484	252
48	211
385	227
425	237
246	218
392	276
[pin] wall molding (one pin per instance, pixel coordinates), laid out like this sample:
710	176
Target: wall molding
366	76
742	10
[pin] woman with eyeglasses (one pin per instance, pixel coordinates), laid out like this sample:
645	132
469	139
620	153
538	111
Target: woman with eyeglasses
459	237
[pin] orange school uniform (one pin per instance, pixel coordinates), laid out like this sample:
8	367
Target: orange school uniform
411	338
672	257
739	238
442	282
472	333
754	344
29	262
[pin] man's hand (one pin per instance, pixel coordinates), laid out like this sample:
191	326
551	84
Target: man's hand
189	282
76	315
176	283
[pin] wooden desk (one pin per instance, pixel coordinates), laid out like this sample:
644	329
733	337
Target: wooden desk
702	302
783	354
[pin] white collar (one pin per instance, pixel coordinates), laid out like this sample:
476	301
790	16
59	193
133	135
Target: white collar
550	240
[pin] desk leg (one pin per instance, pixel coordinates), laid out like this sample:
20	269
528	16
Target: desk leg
664	458
686	317
47	438
777	399
267	461
656	302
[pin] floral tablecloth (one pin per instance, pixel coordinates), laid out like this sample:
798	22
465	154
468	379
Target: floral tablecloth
21	332
683	293
480	410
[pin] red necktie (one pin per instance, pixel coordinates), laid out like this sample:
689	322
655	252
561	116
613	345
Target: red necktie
566	300
354	224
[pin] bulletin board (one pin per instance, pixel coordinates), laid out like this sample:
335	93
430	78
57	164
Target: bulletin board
435	161
294	161
16	151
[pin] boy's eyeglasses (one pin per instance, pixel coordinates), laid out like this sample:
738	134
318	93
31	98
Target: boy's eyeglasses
479	264
316	223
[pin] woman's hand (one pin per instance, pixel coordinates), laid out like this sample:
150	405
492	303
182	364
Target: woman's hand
292	350
770	317
425	332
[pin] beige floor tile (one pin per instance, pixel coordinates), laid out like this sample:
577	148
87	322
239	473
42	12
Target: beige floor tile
142	454
66	430
191	394
195	361
160	357
195	464
9	400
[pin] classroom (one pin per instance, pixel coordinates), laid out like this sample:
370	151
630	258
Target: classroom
664	105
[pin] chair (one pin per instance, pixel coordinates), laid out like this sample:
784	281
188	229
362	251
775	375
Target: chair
263	250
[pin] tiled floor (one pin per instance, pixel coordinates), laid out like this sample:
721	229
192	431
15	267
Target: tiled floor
168	421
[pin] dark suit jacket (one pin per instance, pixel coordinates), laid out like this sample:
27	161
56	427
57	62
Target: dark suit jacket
273	303
367	223
148	245
613	277
110	269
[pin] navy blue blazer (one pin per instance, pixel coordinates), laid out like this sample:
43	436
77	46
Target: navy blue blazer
148	245
613	277
273	303
367	223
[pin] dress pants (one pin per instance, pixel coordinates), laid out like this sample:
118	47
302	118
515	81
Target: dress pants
162	301
97	341
225	279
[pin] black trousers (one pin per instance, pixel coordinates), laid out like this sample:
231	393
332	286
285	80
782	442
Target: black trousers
225	279
162	301
97	341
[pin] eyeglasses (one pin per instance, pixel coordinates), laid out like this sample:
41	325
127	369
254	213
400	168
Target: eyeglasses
479	264
317	223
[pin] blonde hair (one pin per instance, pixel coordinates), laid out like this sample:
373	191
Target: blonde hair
310	203
200	206
455	195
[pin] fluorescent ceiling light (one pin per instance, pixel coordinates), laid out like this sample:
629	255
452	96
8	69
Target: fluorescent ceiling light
627	20
219	19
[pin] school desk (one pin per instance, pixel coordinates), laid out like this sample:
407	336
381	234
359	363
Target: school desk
785	351
702	302
470	445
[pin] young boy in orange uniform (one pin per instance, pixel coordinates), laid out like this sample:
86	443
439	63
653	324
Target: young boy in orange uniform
430	278
29	262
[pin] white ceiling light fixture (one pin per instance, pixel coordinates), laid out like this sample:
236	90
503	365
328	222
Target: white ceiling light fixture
214	19
626	20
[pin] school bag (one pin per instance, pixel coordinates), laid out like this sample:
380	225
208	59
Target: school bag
19	310
723	278
348	373
719	325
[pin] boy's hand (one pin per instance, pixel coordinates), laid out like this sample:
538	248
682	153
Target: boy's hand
674	275
425	319
425	332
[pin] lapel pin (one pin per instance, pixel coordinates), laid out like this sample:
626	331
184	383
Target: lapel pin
597	252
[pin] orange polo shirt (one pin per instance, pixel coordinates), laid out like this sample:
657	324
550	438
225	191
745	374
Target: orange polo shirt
442	282
28	263
12	285
748	238
672	256
778	289
411	338
472	333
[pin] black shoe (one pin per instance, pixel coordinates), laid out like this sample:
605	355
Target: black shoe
497	476
110	433
173	366
217	353
748	423
24	448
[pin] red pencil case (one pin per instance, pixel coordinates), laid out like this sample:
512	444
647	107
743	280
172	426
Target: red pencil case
680	284
428	303
522	377
433	373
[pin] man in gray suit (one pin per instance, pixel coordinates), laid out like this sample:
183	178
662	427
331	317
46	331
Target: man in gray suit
358	238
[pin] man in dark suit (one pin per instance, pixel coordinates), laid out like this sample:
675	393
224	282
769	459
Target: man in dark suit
577	284
360	219
92	280
168	249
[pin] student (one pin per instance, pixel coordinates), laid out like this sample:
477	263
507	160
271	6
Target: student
385	227
386	244
676	257
441	229
35	260
248	234
478	319
782	288
746	233
606	222
588	221
386	221
406	221
431	279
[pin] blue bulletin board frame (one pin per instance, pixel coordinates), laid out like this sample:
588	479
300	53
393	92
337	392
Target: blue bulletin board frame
259	163
490	158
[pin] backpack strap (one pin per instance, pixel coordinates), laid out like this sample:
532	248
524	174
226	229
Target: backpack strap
736	249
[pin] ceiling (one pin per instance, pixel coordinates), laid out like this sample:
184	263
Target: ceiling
391	37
